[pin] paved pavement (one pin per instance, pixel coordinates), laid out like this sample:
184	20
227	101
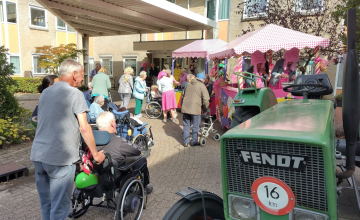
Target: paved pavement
172	167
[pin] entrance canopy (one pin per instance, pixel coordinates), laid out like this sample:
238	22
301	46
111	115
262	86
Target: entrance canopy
269	37
124	17
199	48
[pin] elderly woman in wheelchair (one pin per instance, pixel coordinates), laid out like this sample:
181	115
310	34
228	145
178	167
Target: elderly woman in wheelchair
122	180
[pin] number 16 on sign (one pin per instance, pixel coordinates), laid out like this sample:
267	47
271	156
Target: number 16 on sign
273	196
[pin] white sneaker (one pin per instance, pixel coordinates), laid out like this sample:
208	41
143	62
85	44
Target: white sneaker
138	116
164	120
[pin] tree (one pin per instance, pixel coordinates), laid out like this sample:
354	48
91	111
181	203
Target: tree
9	106
341	13
313	17
52	57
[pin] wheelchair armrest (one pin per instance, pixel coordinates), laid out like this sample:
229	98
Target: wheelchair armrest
141	127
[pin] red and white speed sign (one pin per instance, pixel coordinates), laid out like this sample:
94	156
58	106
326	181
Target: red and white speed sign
273	196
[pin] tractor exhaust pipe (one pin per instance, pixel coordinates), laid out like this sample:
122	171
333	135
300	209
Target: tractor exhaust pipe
351	97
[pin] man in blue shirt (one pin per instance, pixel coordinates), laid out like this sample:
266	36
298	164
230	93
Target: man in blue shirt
95	71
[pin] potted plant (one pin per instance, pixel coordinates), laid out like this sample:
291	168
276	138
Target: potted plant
338	99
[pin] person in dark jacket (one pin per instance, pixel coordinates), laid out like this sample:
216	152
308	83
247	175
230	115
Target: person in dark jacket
196	98
119	149
154	72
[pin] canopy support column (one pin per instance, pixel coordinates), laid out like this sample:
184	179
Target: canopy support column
172	65
207	67
85	46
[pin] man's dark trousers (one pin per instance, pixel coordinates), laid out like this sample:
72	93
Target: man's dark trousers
187	119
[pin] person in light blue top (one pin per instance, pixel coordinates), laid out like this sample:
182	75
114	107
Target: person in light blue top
95	107
139	92
100	86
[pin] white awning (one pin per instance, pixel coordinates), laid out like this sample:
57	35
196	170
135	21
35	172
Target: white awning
124	17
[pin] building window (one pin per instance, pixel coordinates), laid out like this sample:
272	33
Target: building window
252	8
11	12
15	60
38	17
172	1
130	61
309	5
60	25
224	9
211	9
106	62
36	69
1	12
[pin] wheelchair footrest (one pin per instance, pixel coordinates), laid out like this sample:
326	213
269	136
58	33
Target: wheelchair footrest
129	162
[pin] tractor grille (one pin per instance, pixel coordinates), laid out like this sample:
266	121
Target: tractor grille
308	186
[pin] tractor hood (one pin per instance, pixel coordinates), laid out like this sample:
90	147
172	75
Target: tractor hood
293	120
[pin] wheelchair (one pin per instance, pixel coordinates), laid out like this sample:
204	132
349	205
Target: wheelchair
153	109
123	189
134	132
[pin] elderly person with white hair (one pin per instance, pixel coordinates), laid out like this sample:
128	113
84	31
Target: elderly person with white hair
119	149
126	86
55	148
166	87
95	107
139	93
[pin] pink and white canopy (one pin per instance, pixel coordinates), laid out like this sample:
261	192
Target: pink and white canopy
199	48
269	37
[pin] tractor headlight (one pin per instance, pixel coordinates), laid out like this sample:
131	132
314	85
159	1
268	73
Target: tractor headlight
302	214
242	208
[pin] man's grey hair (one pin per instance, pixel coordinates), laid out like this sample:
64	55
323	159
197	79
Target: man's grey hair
190	76
142	73
104	119
69	66
99	99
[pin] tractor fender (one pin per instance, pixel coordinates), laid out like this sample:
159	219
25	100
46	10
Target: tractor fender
195	196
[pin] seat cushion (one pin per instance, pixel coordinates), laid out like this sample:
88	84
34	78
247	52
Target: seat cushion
101	137
129	162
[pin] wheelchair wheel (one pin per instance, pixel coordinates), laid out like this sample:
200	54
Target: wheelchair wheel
131	200
217	137
153	110
142	142
80	204
202	141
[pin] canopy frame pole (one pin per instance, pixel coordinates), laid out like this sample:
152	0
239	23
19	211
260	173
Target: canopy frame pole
172	66
207	67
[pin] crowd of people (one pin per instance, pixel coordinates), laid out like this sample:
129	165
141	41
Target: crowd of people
62	119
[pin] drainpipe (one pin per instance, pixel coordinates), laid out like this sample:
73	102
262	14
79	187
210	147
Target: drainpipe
351	96
188	7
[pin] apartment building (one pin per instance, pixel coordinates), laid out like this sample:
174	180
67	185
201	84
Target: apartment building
118	34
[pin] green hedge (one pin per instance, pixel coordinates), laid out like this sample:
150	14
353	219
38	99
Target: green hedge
27	85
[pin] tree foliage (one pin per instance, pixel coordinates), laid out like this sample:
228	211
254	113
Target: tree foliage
313	17
9	106
51	57
341	13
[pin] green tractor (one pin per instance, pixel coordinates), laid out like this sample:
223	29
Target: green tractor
282	163
249	102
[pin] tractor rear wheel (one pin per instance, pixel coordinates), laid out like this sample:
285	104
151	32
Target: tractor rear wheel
242	114
193	210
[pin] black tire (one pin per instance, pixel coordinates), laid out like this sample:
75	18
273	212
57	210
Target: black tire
242	114
202	141
132	192
217	137
193	210
153	110
83	203
142	142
